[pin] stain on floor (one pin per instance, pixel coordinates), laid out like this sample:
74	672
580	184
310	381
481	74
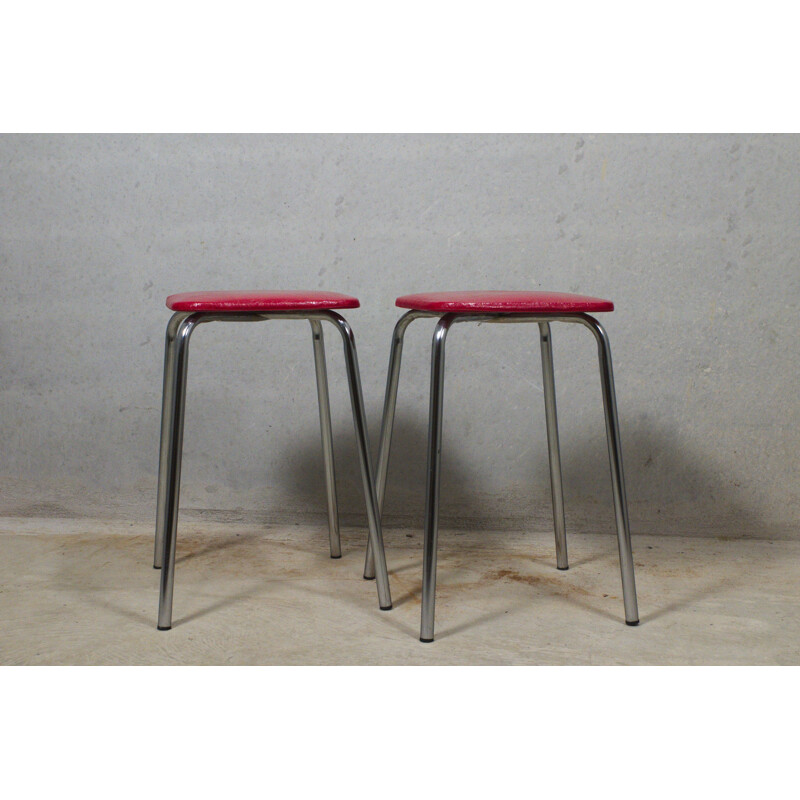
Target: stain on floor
85	592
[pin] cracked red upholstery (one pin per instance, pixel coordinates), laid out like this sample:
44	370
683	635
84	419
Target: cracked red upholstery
260	301
504	302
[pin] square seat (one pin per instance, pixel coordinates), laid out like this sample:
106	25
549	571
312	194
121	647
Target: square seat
499	302
254	301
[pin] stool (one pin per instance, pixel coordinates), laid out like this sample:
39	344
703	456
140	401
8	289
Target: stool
538	307
192	309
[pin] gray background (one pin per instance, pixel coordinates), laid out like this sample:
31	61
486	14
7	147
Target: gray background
695	238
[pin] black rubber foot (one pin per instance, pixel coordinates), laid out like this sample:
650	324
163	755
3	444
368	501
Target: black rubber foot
563	569
335	556
426	641
386	608
164	629
155	567
632	623
369	579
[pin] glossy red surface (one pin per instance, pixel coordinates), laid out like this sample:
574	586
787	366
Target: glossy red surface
259	301
504	302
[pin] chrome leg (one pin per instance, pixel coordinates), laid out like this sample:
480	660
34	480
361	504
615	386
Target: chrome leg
553	450
365	458
327	437
176	389
617	475
387	423
166	422
433	478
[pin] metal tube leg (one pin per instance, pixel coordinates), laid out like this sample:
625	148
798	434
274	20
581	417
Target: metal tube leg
617	475
365	458
387	424
327	437
166	421
433	478
553	449
172	474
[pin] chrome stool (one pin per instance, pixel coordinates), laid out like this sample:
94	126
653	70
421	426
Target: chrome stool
539	307
195	308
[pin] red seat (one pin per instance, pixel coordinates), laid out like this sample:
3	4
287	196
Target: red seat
259	301
504	302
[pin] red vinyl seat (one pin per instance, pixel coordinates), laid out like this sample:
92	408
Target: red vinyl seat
260	301
504	302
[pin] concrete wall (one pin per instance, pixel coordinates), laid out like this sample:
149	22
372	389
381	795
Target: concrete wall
695	238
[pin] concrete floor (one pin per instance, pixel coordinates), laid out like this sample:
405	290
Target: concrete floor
84	592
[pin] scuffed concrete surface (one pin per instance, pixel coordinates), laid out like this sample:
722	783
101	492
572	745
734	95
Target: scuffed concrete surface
694	237
84	592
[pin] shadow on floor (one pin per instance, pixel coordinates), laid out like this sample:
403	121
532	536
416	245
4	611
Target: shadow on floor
672	486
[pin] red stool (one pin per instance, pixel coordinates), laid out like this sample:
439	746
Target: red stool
195	308
539	307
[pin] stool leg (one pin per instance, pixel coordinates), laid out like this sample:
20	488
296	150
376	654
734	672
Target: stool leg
365	458
553	449
166	422
433	478
178	363
617	475
387	424
327	437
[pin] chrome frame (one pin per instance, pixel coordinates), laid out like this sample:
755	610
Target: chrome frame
434	456
327	437
176	357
